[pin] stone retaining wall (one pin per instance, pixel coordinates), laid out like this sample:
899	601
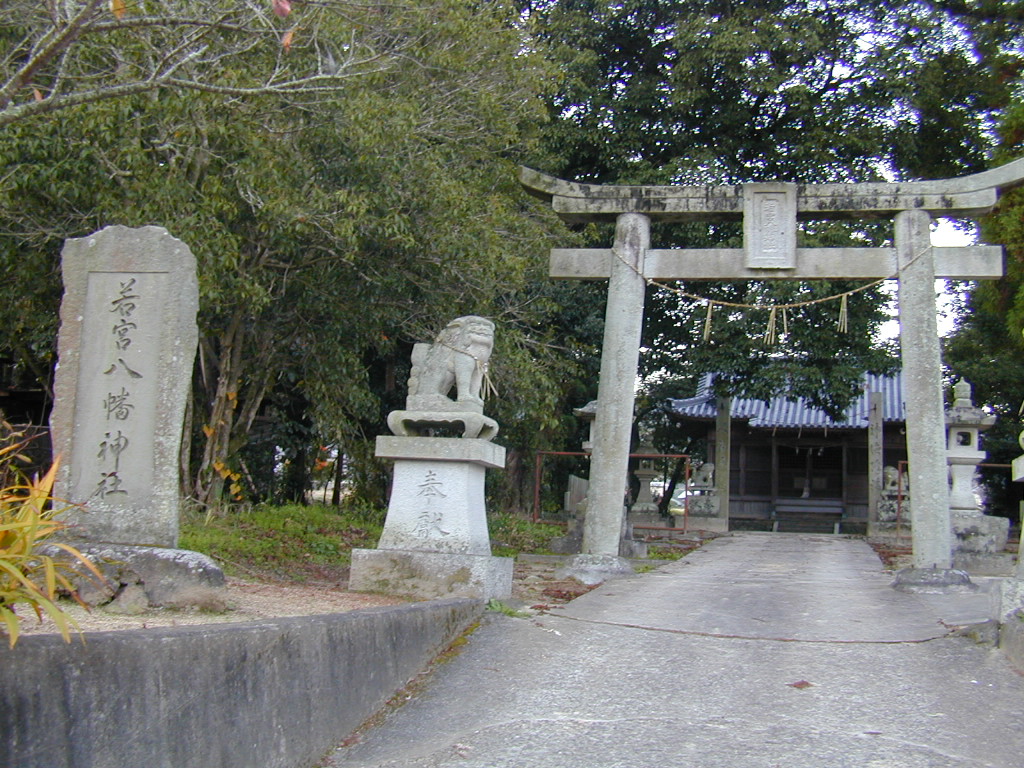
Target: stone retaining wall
271	694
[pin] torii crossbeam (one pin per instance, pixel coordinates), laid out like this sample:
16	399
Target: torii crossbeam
769	212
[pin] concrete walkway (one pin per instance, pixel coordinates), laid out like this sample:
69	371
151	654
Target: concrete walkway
758	651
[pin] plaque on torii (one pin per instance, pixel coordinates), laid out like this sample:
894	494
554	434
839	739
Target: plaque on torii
769	213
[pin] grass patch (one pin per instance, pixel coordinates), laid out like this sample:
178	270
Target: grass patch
511	534
293	542
499	607
668	552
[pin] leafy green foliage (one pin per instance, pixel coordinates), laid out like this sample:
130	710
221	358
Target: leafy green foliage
698	91
56	56
667	552
330	235
499	607
27	521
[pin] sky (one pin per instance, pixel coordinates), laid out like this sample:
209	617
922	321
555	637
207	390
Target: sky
944	234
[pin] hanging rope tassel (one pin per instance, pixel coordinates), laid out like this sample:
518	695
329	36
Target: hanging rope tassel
769	332
844	314
487	388
707	321
785	322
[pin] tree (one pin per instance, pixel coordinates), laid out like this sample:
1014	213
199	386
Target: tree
703	91
986	347
329	235
56	55
709	92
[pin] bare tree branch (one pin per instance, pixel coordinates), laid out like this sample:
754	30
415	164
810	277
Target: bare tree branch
58	55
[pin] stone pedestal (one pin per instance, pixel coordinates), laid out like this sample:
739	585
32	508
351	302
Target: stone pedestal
435	541
978	534
933	581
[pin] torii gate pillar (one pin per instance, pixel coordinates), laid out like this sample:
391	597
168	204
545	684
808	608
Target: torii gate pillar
922	375
624	317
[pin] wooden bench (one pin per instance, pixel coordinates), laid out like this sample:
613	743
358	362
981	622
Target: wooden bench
808	516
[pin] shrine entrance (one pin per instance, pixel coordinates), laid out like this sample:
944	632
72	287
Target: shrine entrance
769	213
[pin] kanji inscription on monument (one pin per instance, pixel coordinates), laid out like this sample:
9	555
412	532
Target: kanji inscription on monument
769	225
117	373
127	342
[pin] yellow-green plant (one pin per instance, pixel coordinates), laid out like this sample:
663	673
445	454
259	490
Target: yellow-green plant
27	520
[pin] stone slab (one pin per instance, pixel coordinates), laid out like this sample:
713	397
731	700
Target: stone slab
933	581
476	451
977	534
127	342
431	575
803	587
769	225
168	577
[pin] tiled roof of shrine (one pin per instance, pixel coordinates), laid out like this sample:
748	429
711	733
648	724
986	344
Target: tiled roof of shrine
786	413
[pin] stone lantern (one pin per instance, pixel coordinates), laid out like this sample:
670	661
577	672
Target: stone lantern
975	533
964	425
588	413
645	473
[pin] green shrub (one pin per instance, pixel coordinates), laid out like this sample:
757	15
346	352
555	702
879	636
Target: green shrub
27	520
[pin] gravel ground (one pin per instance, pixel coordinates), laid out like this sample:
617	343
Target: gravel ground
535	585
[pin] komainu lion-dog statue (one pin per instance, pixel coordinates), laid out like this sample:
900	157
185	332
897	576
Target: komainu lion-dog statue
457	359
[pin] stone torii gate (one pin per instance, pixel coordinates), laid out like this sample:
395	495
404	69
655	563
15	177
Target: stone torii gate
769	212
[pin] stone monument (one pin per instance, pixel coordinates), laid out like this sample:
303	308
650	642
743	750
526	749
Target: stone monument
435	541
645	473
127	342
